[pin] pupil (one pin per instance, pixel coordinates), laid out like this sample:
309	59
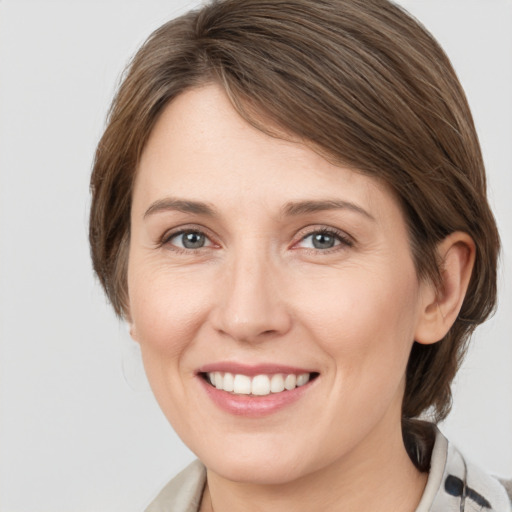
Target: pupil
193	240
323	241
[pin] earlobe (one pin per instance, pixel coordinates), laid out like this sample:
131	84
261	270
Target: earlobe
130	325
133	332
131	329
441	306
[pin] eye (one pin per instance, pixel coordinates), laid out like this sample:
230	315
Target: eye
323	239
189	240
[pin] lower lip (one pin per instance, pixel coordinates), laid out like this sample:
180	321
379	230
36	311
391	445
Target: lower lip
250	405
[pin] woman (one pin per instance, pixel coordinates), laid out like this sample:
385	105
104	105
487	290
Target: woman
289	208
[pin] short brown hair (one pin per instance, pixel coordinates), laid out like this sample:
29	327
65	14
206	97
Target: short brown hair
363	82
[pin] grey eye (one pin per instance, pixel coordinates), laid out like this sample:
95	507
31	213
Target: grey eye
189	240
323	241
193	240
320	240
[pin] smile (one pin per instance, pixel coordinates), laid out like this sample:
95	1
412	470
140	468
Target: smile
258	385
257	390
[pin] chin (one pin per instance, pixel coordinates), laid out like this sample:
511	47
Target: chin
257	474
264	466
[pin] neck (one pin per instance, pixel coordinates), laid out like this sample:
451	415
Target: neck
379	476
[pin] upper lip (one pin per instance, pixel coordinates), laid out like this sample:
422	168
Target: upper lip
252	369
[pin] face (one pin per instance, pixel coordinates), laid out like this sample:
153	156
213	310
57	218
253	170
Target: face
273	295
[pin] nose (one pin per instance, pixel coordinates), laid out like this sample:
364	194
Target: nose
251	306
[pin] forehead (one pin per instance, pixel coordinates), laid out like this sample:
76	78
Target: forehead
202	149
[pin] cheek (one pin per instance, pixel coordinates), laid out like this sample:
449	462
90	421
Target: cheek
167	309
364	319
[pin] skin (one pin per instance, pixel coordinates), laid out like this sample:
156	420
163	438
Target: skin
259	291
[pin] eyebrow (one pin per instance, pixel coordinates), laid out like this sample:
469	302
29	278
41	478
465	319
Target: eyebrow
291	209
304	207
181	205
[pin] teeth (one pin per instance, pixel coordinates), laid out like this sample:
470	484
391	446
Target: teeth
242	385
260	385
277	383
290	382
302	379
229	382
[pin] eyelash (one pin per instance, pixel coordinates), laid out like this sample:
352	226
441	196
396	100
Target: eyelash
341	237
166	239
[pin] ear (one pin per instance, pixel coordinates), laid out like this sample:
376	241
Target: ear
440	307
131	328
133	333
130	324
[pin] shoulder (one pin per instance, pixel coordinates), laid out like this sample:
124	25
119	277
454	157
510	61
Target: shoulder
456	484
183	493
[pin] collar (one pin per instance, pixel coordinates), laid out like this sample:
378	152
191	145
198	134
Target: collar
455	485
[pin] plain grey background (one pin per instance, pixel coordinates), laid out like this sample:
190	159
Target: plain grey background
73	434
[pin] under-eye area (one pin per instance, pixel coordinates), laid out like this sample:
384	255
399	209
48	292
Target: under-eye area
258	385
